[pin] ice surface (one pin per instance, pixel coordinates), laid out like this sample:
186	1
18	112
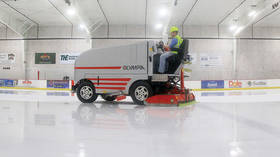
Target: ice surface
56	124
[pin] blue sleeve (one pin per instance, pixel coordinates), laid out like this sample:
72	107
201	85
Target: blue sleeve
173	43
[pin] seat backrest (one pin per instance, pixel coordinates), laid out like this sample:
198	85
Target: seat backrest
181	50
185	50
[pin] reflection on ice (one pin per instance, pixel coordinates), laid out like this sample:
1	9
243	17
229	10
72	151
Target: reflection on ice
32	128
119	116
235	123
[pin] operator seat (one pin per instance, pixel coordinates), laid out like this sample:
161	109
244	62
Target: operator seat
175	61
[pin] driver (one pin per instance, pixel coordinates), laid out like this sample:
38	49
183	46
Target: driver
175	43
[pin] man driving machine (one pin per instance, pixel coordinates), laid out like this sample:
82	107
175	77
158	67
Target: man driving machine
175	43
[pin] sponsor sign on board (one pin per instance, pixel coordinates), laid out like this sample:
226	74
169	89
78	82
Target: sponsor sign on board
257	83
8	83
235	84
57	84
25	83
206	84
32	83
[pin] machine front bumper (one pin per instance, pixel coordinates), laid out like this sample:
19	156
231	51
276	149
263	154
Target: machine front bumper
171	99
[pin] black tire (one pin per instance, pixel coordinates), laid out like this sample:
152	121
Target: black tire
140	98
86	97
108	97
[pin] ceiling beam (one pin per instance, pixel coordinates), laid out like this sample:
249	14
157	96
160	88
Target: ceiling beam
2	23
13	23
68	20
6	29
19	12
108	24
187	16
233	10
265	16
224	18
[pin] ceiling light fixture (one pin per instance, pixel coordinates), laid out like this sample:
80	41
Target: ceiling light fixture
82	26
71	11
163	12
233	27
158	26
238	30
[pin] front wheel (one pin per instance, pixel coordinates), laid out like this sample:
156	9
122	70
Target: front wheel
140	91
86	92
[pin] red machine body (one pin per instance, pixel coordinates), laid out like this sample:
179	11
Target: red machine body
177	96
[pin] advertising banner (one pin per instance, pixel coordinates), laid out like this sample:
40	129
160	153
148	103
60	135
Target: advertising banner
210	61
256	83
235	84
57	84
68	58
248	83
7	83
32	83
208	84
25	83
45	58
7	58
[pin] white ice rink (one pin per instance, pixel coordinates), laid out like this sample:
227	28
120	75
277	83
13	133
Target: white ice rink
220	124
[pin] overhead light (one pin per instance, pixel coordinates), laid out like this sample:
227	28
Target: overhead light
163	12
71	11
82	26
233	27
158	26
252	13
238	30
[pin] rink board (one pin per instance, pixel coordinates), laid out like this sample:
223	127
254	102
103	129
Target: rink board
217	85
36	84
204	85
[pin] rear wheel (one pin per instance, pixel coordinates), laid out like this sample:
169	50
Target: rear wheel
108	97
140	91
86	92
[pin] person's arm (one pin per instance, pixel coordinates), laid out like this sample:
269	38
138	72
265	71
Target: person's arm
173	43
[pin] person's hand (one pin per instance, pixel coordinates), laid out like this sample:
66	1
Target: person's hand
166	48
